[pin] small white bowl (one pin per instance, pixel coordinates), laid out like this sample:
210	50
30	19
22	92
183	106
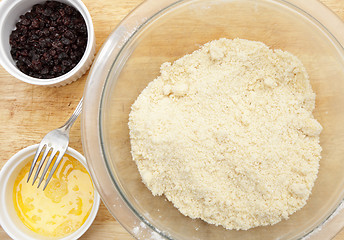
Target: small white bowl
9	219
10	10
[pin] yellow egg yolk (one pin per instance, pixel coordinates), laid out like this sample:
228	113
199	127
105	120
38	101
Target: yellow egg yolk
62	207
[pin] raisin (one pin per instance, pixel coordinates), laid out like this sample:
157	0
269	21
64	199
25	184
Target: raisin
62	55
37	65
35	37
66	21
46	32
44	71
57	44
47	12
26	22
66	63
62	28
62	12
35	23
70	35
24	53
57	69
52	52
65	41
54	16
69	10
13	52
29	15
56	35
39	9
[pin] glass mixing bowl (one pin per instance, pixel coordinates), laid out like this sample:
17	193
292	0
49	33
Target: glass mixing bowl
165	30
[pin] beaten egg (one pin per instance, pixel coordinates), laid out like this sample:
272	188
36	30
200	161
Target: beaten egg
62	207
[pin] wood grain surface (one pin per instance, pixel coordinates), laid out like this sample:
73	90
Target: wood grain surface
28	112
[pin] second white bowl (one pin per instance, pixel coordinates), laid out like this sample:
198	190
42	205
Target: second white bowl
9	219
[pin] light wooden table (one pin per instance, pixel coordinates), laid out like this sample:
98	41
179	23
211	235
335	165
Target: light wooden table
28	112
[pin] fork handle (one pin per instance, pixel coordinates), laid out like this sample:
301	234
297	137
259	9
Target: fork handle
67	126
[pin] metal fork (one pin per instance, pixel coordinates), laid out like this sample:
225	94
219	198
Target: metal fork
55	142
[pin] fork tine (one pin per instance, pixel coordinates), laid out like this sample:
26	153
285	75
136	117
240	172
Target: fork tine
38	152
45	154
58	160
52	155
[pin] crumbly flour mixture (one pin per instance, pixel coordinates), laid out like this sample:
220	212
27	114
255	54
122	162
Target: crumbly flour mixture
227	134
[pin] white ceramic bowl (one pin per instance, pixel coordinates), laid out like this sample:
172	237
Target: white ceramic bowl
9	220
10	10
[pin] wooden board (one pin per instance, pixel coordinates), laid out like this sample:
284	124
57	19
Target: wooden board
29	112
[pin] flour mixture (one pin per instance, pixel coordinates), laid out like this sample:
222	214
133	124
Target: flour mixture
227	134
